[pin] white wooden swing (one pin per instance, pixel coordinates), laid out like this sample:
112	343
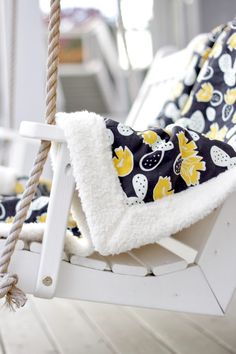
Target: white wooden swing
193	271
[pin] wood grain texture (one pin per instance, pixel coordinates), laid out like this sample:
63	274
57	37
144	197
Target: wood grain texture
71	332
124	331
180	335
220	329
22	333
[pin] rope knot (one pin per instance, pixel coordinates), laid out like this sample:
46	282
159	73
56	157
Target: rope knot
14	296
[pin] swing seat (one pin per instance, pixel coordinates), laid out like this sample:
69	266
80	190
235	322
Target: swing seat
192	271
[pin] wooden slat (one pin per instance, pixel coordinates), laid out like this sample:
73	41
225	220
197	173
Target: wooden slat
22	333
72	332
125	333
178	333
124	263
186	290
95	261
36	247
158	260
179	248
20	245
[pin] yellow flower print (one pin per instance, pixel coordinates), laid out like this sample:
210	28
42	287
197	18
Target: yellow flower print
187	105
123	161
163	188
9	219
231	42
42	218
234	118
19	188
150	137
190	162
230	96
205	93
216	133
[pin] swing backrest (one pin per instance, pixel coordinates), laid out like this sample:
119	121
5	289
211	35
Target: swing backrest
165	71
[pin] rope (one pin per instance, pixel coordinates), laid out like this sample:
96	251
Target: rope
14	296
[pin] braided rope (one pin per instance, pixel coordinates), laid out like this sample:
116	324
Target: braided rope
14	296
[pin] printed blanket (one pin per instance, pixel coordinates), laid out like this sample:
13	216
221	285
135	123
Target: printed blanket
135	187
11	189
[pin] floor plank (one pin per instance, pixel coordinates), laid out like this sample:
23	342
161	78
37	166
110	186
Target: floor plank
71	331
21	333
124	332
221	329
66	326
178	333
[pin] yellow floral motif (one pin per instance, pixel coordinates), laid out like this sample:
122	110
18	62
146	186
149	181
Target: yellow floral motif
163	188
187	105
234	118
230	96
231	42
19	188
191	162
150	137
9	219
42	218
216	133
123	161
205	93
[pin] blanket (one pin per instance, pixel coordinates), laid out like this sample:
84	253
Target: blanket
11	189
136	187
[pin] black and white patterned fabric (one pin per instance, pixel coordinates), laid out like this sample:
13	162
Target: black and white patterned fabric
201	140
38	210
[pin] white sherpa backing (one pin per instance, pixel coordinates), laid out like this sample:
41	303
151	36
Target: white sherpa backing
104	217
33	232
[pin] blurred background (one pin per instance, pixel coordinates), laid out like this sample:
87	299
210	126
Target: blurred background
95	73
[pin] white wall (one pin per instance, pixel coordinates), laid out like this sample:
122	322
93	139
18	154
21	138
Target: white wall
31	63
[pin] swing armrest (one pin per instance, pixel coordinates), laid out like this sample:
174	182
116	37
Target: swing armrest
42	131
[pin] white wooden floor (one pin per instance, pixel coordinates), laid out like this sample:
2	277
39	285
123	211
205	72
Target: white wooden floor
65	326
